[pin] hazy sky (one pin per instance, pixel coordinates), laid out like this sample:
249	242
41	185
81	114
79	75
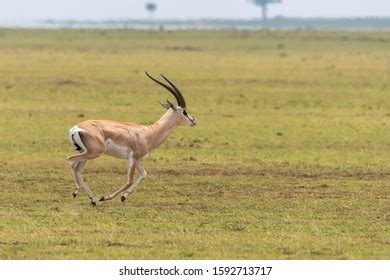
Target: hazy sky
103	9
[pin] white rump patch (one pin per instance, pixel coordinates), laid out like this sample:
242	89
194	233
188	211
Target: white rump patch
74	137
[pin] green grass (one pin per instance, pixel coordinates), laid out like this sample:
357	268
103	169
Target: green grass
290	158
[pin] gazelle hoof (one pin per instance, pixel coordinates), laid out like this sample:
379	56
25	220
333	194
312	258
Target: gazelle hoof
102	199
74	195
93	203
123	198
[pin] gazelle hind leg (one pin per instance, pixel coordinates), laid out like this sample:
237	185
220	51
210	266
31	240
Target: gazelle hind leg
74	162
79	167
74	174
130	176
142	175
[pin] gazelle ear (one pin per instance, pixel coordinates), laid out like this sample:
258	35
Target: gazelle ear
167	105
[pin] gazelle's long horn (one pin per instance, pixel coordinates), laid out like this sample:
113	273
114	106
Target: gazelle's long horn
183	102
171	90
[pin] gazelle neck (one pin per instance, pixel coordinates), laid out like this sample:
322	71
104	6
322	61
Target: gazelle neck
160	130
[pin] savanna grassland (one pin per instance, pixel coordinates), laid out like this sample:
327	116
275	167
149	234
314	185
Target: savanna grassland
289	160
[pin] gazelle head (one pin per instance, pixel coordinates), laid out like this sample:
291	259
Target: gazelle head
181	109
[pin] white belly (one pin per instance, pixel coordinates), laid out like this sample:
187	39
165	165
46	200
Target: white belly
116	150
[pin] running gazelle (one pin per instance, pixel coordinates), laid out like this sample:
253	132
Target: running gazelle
124	140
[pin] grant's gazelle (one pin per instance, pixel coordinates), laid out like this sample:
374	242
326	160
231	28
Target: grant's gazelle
125	140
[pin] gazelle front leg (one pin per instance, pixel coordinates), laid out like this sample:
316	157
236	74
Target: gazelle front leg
130	176
142	175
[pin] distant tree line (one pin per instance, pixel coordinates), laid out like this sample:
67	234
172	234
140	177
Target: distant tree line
151	7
